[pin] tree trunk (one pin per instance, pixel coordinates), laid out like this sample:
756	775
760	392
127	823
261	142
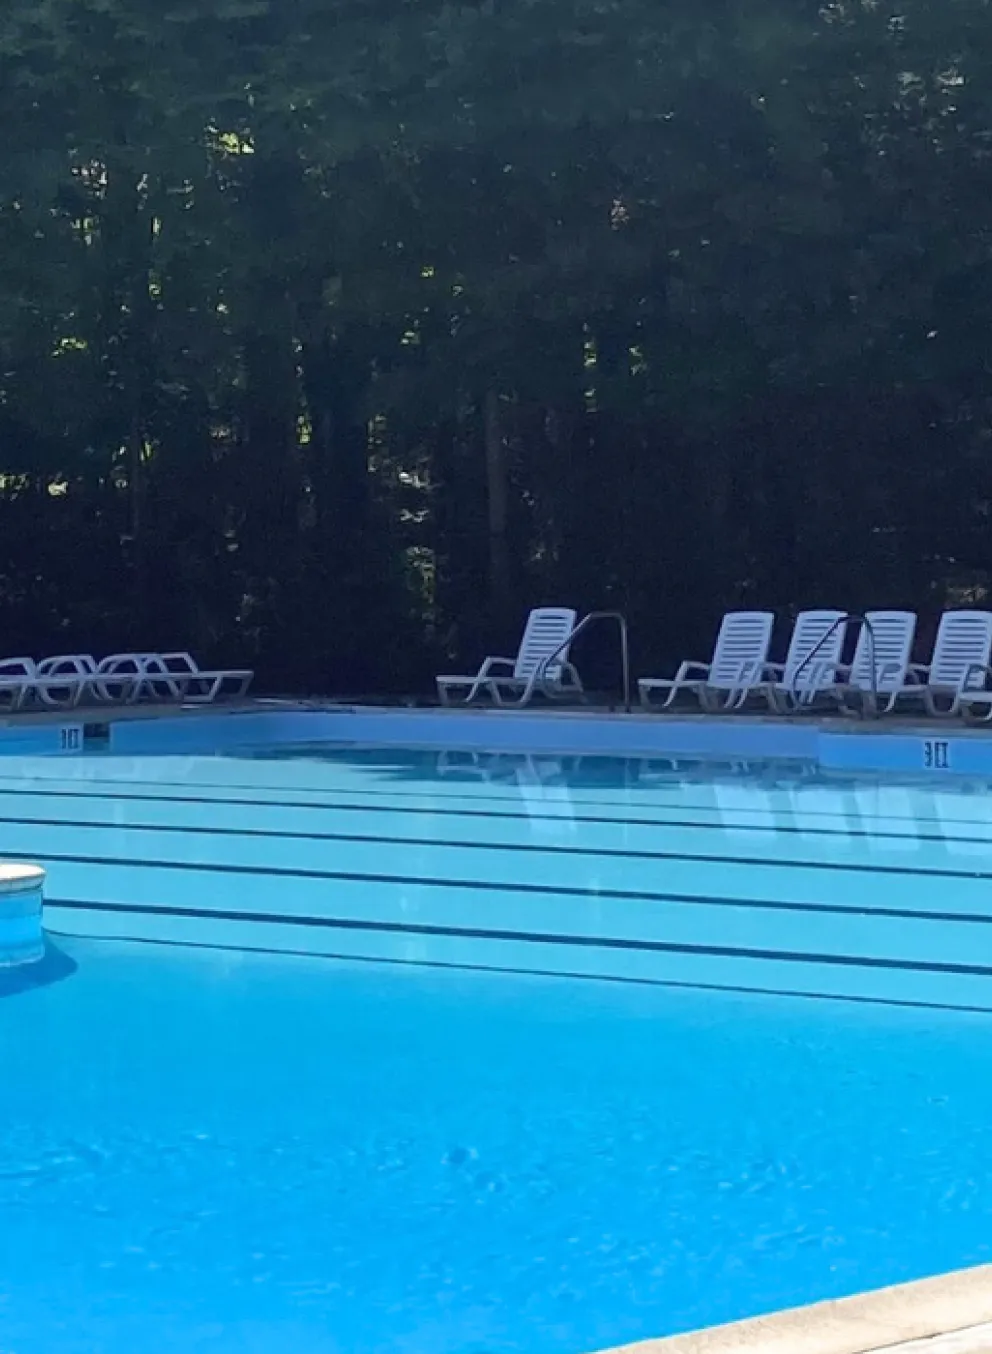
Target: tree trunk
497	497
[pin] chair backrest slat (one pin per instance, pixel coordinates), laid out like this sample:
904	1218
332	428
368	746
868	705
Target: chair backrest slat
892	633
964	639
742	643
547	629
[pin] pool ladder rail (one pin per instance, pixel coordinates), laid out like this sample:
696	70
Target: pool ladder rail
869	707
593	618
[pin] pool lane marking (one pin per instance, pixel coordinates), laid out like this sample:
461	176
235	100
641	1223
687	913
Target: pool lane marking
717	824
537	937
523	847
477	966
563	891
119	789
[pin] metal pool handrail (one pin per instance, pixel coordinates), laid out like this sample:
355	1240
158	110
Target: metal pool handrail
855	618
584	624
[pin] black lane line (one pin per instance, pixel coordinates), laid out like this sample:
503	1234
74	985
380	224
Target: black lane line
522	848
537	890
718	823
459	812
444	789
537	937
467	966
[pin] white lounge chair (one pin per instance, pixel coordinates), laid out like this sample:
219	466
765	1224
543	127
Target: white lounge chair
959	668
177	676
65	681
879	671
68	680
56	683
16	675
740	656
60	682
815	651
545	636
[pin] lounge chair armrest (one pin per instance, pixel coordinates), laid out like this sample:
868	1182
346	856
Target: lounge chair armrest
822	673
967	682
489	664
916	675
750	672
689	667
772	672
845	671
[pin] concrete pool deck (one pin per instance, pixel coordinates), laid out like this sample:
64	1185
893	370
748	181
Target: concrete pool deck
949	1314
836	722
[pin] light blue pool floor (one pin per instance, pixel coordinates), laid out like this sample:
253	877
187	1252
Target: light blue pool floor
240	1154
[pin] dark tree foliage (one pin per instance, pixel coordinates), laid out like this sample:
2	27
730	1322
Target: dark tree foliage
335	333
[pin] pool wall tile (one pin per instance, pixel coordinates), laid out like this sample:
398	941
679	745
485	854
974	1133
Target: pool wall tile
936	748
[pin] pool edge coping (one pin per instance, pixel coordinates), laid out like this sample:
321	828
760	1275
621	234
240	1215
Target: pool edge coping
890	1319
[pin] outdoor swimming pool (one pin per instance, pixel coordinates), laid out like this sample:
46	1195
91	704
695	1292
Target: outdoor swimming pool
222	1150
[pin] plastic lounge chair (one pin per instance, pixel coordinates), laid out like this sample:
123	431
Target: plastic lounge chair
740	656
16	675
958	669
65	681
60	682
113	680
56	683
815	651
879	672
545	635
69	680
177	676
118	677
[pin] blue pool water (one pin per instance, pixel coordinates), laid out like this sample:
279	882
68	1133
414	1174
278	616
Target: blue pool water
225	1153
220	1150
768	878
